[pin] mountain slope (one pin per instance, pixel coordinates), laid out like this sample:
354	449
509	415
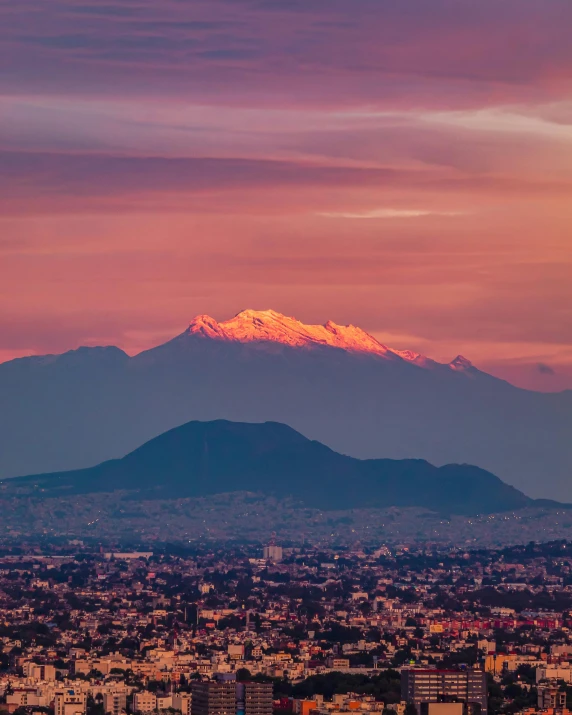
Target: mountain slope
203	458
331	383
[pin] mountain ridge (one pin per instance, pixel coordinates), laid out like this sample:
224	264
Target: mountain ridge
259	326
271	327
205	458
93	404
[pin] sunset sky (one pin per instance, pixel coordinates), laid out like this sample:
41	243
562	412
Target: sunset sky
402	165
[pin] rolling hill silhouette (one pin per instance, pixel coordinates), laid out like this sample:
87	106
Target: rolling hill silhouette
204	458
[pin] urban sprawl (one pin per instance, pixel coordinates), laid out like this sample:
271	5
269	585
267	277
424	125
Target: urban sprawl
246	630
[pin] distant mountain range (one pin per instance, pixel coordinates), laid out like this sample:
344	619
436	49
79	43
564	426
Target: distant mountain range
204	458
335	384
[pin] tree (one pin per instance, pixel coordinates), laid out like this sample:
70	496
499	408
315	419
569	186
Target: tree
94	706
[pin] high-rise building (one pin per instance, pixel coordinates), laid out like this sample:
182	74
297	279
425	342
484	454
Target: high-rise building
254	699
114	703
550	697
420	686
272	552
213	698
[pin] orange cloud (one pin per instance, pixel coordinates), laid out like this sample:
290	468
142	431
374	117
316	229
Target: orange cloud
161	161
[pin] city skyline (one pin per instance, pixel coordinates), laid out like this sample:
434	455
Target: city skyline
286	357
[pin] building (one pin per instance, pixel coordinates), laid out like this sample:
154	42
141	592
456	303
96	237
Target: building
554	672
254	698
304	707
235	651
114	703
182	702
39	672
496	663
213	698
144	702
128	555
445	708
22	697
69	702
273	553
337	663
550	697
422	686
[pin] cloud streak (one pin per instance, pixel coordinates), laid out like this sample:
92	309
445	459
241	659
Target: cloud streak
389	213
370	53
402	166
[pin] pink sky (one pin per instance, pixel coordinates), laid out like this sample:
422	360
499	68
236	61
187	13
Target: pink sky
406	167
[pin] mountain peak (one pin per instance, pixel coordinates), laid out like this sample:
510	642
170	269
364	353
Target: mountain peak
460	363
250	326
205	326
269	326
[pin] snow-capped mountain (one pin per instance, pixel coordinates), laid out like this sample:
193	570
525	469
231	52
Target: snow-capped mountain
256	326
333	383
262	327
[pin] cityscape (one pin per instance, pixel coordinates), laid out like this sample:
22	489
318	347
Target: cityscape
286	357
286	630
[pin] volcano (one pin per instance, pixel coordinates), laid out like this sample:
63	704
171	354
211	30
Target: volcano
335	384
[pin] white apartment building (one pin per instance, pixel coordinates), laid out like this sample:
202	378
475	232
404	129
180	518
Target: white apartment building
554	672
23	697
144	702
39	672
69	702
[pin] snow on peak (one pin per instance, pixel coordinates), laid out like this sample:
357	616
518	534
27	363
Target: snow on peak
268	326
206	326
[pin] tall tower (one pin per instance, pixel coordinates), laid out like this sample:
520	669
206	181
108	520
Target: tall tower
213	698
272	552
254	698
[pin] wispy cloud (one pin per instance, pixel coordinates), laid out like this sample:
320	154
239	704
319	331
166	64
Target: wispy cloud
503	120
394	165
388	213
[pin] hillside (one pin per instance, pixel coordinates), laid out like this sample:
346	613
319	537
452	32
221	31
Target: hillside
204	458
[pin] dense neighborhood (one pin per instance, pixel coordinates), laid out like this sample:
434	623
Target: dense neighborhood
300	630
